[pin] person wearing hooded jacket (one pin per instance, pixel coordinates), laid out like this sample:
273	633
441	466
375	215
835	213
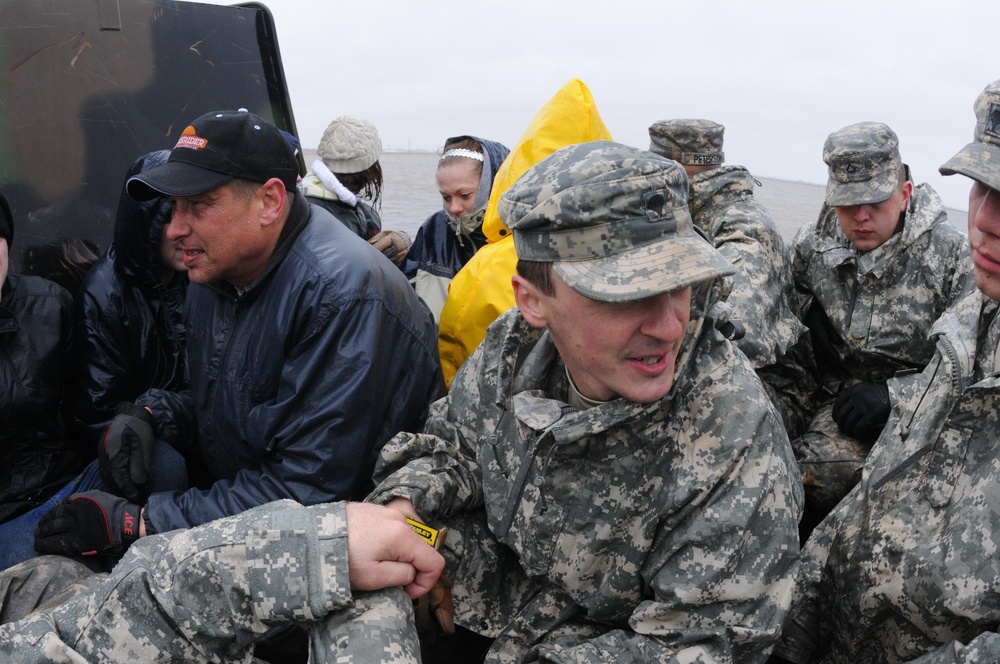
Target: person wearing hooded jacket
871	275
615	482
450	237
128	338
904	569
129	314
37	457
346	181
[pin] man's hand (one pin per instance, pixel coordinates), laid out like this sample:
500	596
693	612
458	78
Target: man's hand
862	410
89	524
125	453
384	551
394	245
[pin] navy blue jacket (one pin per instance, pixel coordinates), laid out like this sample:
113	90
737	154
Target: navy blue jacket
297	383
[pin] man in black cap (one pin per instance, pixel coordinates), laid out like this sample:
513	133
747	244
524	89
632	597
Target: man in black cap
307	350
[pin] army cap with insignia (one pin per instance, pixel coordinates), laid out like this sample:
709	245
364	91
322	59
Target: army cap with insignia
864	164
689	142
980	159
613	220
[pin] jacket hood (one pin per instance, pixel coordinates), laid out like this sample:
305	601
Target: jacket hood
729	180
138	228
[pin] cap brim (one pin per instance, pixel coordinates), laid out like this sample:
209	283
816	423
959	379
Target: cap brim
174	178
869	192
660	267
978	161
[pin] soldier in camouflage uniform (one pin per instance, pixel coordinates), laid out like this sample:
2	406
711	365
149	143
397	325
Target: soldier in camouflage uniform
722	205
616	483
209	594
905	569
877	268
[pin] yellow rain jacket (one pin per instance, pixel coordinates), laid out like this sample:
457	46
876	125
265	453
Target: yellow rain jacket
481	290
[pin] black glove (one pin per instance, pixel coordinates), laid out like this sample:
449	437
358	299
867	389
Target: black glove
862	410
89	524
125	453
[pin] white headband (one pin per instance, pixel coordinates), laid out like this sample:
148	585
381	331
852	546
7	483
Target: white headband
462	152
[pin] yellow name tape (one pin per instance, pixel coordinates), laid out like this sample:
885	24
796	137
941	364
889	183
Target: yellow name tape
425	531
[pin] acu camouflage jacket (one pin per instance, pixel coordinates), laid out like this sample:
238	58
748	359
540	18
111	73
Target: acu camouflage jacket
906	568
625	532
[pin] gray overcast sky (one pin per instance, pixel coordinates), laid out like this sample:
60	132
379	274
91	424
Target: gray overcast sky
779	75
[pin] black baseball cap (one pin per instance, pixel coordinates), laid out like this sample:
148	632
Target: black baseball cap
216	148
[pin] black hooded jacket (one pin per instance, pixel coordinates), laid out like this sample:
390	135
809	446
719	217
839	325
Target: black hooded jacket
35	332
129	324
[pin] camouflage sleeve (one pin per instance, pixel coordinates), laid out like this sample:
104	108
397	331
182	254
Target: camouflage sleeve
438	468
726	570
983	648
209	593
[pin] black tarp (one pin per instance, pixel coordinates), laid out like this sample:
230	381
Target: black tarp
86	86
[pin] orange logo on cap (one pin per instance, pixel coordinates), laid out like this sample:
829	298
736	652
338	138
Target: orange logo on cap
189	139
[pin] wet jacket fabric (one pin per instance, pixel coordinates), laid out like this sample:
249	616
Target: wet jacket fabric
36	455
904	570
129	325
438	252
722	205
300	378
880	305
362	218
210	593
624	532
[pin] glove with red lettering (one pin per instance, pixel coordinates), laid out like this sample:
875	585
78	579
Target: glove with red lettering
89	524
125	453
862	410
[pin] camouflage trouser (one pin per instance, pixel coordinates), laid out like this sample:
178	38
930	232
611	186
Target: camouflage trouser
209	594
830	462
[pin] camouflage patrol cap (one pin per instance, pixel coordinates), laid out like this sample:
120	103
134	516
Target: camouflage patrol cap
613	220
980	159
689	142
864	164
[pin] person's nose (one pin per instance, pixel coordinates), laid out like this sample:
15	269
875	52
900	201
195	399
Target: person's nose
177	226
665	317
986	215
863	213
455	207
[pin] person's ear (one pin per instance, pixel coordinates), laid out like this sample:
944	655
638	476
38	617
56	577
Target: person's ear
530	301
273	196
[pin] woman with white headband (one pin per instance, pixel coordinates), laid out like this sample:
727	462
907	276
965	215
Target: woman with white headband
449	237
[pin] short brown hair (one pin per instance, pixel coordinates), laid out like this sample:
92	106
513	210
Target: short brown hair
538	274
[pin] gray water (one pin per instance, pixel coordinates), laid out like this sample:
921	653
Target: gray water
410	195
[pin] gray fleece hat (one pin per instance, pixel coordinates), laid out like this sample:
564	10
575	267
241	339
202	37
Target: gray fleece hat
613	220
349	145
